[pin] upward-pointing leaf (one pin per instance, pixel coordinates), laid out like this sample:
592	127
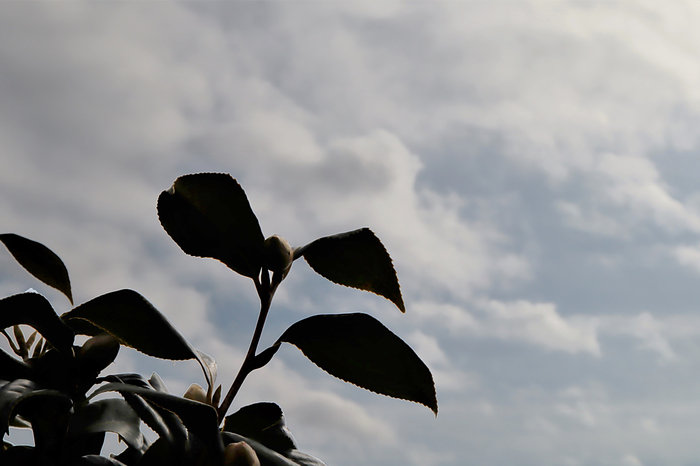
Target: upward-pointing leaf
135	322
208	215
356	259
40	261
357	348
35	310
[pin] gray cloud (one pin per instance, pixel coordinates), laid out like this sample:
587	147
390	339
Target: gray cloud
529	167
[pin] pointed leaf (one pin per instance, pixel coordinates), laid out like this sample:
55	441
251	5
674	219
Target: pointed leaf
108	415
210	364
40	261
136	323
35	310
263	422
357	348
208	215
356	259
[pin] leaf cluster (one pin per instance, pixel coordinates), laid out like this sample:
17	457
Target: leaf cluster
54	386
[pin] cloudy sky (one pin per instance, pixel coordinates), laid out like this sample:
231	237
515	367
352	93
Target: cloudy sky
531	166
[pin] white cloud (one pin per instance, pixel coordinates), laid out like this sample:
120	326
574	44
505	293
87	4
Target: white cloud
535	323
688	256
540	324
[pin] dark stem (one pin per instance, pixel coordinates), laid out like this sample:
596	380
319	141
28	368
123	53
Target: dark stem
265	292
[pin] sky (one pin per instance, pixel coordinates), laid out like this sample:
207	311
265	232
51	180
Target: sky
531	167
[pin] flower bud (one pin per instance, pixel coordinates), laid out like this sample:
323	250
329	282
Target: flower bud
277	254
240	454
196	393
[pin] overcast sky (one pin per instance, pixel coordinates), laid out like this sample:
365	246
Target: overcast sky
531	166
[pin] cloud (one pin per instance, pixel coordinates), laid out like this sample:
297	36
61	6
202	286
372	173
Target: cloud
494	150
535	323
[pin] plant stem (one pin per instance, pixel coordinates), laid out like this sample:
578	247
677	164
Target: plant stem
265	292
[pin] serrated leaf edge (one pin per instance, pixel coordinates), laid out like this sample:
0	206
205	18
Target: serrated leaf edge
435	411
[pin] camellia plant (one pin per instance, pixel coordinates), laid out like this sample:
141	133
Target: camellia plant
52	386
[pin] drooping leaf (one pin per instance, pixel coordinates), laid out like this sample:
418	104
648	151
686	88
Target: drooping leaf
129	378
356	259
35	310
40	261
108	415
165	423
28	399
199	418
263	422
136	323
357	348
208	215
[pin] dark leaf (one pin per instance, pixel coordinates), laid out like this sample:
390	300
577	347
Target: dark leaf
40	261
263	422
58	371
109	415
262	358
304	459
86	444
136	323
199	418
161	453
150	416
20	455
35	310
357	348
356	259
97	460
12	368
128	378
166	424
208	215
42	407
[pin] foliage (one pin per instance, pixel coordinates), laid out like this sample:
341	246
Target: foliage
52	386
